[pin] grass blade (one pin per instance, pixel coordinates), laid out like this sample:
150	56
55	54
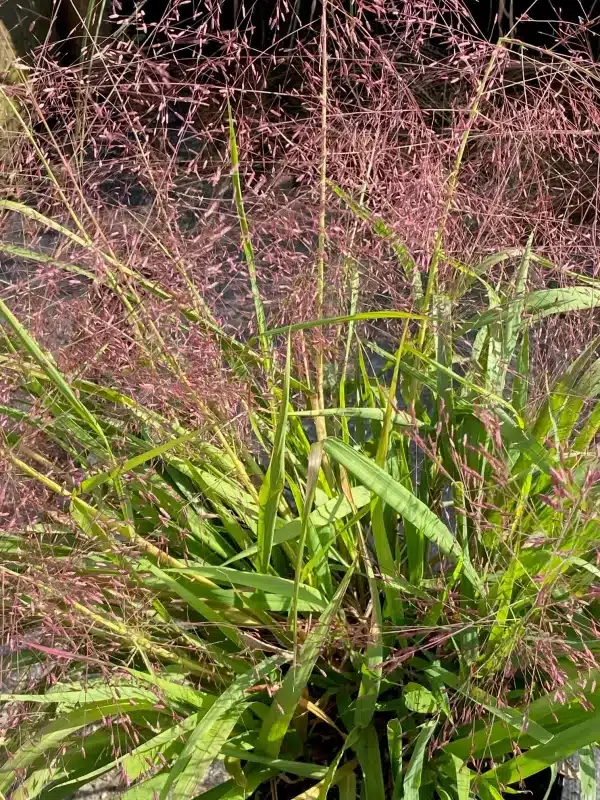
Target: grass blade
537	305
414	771
46	364
371	667
206	741
285	701
361	316
369	758
347	786
513	324
259	311
587	773
335	509
314	467
383	541
559	747
272	487
395	747
520	387
377	414
52	735
400	499
270	584
315	792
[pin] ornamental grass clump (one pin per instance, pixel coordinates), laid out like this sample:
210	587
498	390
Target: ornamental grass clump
344	542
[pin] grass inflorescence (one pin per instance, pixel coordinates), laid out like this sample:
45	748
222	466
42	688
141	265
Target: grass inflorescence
299	447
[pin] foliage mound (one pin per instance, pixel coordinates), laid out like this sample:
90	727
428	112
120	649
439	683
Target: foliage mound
350	556
408	602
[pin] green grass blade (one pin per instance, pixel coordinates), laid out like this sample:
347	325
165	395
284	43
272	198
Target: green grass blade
566	397
136	461
206	741
506	584
504	331
537	305
377	414
333	510
301	768
513	324
328	779
314	467
32	213
137	761
52	735
259	311
195	602
587	773
425	379
559	747
270	584
403	501
371	667
347	786
271	490
70	696
473	273
369	758
520	387
44	258
587	388
414	771
284	703
384	542
46	364
395	749
589	430
419	699
148	789
315	792
175	692
516	719
463	778
361	316
36	783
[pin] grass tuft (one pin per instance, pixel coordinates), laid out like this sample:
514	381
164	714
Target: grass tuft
341	532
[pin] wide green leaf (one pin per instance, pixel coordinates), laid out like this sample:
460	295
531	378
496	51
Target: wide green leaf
335	509
559	747
207	739
369	758
419	699
271	584
537	305
414	771
401	500
52	735
284	703
271	490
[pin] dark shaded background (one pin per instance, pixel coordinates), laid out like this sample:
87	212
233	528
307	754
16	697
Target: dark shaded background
561	25
543	23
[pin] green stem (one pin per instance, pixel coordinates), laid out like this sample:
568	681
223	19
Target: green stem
451	191
320	424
